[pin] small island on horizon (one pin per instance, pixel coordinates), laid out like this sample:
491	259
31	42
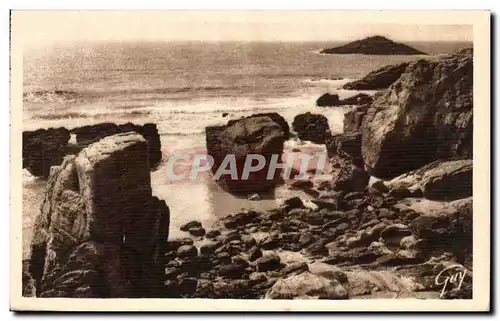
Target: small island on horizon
375	45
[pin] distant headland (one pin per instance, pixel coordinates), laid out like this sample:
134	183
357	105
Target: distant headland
376	45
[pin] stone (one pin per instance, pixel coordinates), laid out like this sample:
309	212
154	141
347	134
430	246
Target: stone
379	79
269	262
186	251
311	127
295	268
212	234
328	100
250	135
426	115
254	254
254	197
307	285
393	234
350	179
99	204
293	203
232	271
347	145
192	224
197	231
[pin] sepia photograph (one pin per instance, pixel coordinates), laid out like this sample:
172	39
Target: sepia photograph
286	158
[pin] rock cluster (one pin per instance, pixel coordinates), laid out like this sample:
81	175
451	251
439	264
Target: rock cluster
44	148
100	231
364	244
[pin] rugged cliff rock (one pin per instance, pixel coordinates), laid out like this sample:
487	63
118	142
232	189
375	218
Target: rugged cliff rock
439	180
379	79
44	148
252	135
376	45
100	230
277	118
425	115
311	127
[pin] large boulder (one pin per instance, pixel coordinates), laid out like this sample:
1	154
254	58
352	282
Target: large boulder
277	118
425	115
328	100
349	178
44	148
379	79
440	180
100	231
251	135
449	231
346	145
311	127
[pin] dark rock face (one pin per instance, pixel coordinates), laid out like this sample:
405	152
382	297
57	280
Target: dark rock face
328	100
439	180
350	178
44	148
100	230
311	127
425	115
347	146
251	135
376	45
379	79
333	100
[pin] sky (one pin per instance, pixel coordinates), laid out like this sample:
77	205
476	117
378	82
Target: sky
45	27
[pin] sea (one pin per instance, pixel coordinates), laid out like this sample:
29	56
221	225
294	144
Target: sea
184	87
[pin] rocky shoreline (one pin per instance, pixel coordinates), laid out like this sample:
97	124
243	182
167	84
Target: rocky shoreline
359	237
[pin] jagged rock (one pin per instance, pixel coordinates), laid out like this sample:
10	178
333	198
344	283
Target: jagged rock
252	135
350	178
353	119
427	114
379	79
268	262
374	45
98	207
311	127
307	286
347	146
439	180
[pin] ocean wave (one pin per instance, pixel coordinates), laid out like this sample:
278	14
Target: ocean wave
72	115
50	96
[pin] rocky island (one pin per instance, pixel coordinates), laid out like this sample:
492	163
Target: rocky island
375	45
